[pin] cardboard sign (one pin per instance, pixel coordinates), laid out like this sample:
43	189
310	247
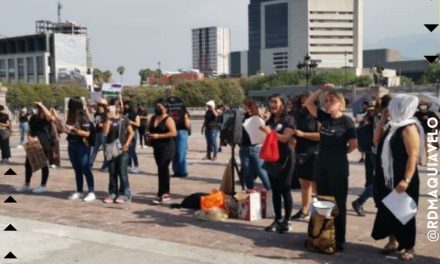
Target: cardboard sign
111	89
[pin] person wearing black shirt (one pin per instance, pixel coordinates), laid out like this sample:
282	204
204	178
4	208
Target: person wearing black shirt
5	134
143	115
251	164
39	130
23	119
183	125
423	115
78	130
306	149
119	134
211	128
337	139
284	125
100	120
162	130
135	122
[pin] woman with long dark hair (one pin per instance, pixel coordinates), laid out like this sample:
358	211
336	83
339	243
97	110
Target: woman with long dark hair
337	140
284	125
78	131
135	122
162	130
249	153
306	149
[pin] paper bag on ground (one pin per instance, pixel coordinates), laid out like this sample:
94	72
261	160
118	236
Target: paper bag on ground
249	206
35	155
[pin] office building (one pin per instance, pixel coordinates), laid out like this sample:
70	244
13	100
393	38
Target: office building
211	48
283	32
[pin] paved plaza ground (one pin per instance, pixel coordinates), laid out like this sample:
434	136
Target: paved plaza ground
52	229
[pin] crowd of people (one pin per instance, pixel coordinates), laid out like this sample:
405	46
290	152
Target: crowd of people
313	143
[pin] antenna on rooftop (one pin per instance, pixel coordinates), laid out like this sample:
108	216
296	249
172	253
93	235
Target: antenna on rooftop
60	6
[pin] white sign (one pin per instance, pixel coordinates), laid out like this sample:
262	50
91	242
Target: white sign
252	126
402	206
111	89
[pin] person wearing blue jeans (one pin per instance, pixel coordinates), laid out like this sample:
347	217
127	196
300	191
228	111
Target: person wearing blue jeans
210	128
370	164
251	167
135	121
180	166
24	124
133	158
100	140
78	132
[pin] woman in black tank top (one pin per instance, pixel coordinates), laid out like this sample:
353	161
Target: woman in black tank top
162	131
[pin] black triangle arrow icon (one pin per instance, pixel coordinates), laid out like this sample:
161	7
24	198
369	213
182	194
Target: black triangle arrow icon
431	27
10	200
10	172
431	59
10	256
10	228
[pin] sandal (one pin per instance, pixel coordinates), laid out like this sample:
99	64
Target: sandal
389	248
407	255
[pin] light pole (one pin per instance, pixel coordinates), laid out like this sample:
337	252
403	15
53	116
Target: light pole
306	69
345	69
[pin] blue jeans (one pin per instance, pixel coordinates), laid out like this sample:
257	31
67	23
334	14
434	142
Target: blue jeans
79	155
99	141
117	168
370	164
180	166
211	142
24	127
251	167
132	150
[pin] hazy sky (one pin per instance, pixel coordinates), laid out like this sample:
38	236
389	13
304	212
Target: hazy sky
139	33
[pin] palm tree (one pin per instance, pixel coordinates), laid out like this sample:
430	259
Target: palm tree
121	70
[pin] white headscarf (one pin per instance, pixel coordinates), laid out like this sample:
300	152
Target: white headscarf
402	108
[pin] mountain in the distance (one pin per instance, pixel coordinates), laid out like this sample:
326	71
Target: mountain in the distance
411	47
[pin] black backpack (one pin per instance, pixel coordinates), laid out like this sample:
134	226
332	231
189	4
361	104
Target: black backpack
190	202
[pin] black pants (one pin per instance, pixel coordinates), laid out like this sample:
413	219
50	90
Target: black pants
331	178
5	148
163	155
28	173
281	185
142	131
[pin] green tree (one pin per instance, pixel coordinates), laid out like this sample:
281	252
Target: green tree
405	80
362	81
433	73
121	70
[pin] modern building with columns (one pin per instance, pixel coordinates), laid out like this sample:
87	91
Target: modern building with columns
283	32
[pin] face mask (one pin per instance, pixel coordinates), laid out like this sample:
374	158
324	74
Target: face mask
423	107
35	111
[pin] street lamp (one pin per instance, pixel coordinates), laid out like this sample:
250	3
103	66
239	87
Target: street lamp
306	69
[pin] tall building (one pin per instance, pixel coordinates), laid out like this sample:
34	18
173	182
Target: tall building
54	54
211	47
283	32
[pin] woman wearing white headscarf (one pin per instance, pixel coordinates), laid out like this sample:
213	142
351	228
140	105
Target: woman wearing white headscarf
401	143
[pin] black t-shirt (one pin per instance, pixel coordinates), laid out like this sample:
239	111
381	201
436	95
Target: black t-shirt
335	134
83	123
423	119
100	119
306	123
279	126
143	113
23	118
4	118
211	121
131	115
41	128
118	129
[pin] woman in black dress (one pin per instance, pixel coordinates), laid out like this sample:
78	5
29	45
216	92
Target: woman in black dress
400	143
284	125
162	132
337	139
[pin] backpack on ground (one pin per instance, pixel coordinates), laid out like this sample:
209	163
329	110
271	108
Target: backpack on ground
190	202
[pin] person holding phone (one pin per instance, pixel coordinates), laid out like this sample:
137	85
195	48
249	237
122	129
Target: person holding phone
337	139
119	135
78	130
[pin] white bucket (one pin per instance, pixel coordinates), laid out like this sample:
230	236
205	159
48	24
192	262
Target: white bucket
324	208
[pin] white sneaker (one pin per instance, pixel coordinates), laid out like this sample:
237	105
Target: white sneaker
40	189
76	196
90	197
53	166
23	188
134	169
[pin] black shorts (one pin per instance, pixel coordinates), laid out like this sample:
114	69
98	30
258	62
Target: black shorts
305	170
